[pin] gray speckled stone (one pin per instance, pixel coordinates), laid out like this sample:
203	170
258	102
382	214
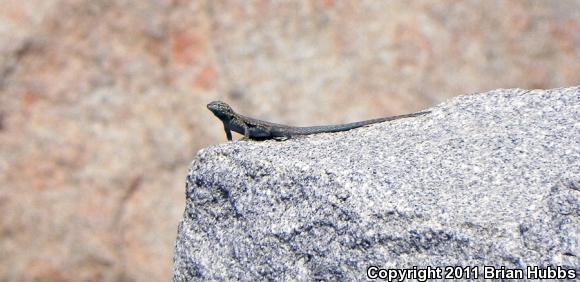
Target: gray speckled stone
485	179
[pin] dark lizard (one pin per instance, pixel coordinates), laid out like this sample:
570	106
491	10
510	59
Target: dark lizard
261	130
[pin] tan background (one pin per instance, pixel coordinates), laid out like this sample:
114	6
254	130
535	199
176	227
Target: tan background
102	103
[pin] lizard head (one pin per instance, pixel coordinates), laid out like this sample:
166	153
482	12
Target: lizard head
221	110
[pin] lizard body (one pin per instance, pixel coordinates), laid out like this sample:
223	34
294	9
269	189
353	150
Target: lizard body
261	130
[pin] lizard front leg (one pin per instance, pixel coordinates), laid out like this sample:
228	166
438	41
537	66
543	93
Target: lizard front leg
228	132
246	133
242	127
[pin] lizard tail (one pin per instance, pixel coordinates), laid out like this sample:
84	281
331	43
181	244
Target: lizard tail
348	126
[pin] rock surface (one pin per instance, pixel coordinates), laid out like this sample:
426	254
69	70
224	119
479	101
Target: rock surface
485	179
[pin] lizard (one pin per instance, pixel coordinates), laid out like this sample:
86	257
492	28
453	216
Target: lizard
255	129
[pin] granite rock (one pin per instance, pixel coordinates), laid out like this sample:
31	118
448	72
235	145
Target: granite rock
485	179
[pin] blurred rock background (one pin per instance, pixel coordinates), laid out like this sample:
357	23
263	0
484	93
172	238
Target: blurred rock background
102	103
